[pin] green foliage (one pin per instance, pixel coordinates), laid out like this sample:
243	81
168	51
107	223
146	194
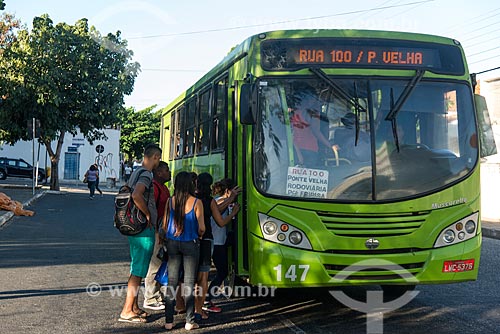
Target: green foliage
138	128
68	76
2	5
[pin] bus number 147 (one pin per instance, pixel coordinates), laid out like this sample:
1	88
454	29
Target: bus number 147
292	273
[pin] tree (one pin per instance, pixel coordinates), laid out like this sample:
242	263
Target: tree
138	128
69	77
8	28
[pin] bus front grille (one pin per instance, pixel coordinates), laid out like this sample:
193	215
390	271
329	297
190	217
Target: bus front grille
374	273
372	225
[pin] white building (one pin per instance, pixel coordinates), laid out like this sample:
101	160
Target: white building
77	155
489	87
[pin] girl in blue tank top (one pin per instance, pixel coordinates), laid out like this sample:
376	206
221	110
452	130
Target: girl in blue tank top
183	229
190	232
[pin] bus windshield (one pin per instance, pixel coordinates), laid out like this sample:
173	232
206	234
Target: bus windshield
312	142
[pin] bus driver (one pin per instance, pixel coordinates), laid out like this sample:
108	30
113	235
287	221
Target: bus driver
305	121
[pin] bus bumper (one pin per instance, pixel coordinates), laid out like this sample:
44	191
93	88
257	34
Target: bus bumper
277	265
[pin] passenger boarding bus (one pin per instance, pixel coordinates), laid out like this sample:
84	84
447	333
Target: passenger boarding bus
357	151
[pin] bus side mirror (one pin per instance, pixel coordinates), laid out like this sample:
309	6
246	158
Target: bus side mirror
248	104
486	136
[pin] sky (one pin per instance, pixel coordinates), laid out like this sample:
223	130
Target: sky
176	42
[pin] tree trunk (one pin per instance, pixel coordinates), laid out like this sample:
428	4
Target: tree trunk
54	161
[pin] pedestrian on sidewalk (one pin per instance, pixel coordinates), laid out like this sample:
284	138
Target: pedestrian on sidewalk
128	172
92	175
152	296
142	244
184	226
97	180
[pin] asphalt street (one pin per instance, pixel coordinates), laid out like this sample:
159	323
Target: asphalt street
65	269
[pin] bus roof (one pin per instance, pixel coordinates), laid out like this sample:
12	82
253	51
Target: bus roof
242	49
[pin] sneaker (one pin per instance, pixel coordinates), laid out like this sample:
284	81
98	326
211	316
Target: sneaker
157	306
191	326
211	307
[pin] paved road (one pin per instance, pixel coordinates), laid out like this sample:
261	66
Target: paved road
48	261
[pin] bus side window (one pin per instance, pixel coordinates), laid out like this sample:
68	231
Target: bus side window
218	132
172	136
190	126
179	132
203	133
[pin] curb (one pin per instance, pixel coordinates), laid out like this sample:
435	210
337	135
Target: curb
6	217
491	233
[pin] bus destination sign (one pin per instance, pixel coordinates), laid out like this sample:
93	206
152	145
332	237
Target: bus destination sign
363	56
294	54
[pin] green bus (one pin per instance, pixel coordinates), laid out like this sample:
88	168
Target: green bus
351	146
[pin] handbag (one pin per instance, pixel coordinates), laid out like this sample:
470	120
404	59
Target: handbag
162	274
85	180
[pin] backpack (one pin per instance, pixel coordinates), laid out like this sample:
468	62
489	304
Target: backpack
128	219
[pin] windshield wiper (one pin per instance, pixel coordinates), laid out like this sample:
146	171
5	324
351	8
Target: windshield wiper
356	113
405	95
396	107
339	91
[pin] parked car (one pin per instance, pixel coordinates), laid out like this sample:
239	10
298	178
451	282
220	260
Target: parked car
19	168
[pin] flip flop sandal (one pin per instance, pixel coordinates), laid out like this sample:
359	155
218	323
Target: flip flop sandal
142	313
134	319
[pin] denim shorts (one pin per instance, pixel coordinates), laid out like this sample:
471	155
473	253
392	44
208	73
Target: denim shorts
206	250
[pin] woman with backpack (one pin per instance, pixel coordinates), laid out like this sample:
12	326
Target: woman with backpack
183	226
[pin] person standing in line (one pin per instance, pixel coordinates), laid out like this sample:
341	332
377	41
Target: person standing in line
210	210
92	176
97	180
128	172
184	227
152	296
142	244
225	192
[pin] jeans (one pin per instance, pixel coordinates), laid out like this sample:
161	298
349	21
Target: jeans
152	287
219	257
186	252
91	186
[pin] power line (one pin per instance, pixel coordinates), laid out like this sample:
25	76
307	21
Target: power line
480	61
491	69
280	22
478	53
382	4
169	70
486	26
471	38
406	10
486	41
479	17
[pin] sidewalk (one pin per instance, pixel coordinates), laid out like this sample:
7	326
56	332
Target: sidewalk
25	196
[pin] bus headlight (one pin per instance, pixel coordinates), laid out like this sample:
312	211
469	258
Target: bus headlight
470	226
269	227
455	233
288	235
449	236
295	237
